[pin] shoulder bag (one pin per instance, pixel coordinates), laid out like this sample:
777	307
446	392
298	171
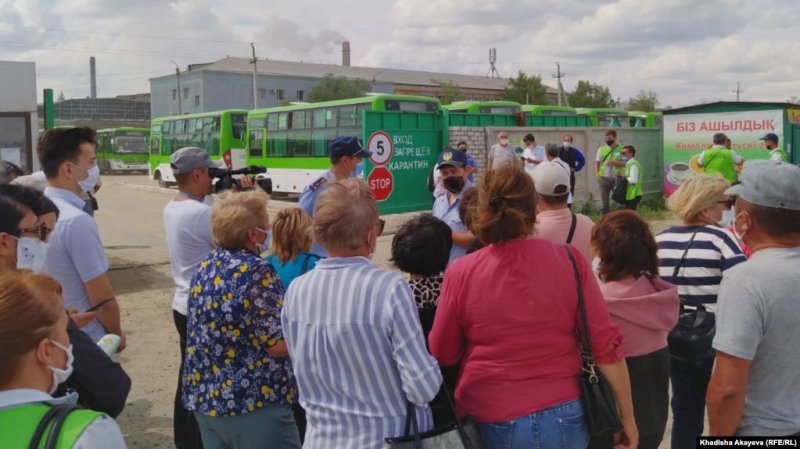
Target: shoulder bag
463	434
600	406
619	193
690	341
572	227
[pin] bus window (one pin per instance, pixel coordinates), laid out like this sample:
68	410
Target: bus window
319	142
256	143
301	120
319	118
272	122
239	125
347	116
276	144
283	120
360	112
154	147
300	143
331	116
410	106
498	110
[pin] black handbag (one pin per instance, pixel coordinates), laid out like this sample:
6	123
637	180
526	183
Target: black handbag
619	192
600	406
461	434
690	341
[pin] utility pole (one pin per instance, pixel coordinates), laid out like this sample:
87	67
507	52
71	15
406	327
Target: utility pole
738	90
255	75
178	77
562	97
492	63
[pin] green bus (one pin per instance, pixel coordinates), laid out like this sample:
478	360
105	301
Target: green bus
484	107
292	141
122	149
549	115
606	117
220	133
654	120
640	119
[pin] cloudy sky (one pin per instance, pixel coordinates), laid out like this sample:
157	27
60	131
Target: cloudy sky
686	51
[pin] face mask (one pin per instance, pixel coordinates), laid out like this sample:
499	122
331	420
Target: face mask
454	183
503	142
609	142
625	158
264	246
359	171
736	232
566	144
596	265
93	175
60	375
727	218
31	254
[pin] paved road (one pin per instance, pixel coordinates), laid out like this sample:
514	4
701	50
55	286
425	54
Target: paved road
131	229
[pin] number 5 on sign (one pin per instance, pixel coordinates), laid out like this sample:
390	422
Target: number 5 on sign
380	144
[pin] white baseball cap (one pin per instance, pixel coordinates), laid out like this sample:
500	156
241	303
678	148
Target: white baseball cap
550	179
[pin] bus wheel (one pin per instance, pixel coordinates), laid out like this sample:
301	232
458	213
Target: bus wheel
161	182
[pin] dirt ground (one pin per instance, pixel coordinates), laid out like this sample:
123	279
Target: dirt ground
131	229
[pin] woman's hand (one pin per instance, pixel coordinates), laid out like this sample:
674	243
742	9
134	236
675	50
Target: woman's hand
628	437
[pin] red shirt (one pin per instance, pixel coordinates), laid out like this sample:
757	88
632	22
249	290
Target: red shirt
508	315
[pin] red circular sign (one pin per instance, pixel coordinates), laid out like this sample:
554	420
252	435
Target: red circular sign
381	182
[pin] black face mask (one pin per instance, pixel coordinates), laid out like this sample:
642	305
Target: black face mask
454	183
609	142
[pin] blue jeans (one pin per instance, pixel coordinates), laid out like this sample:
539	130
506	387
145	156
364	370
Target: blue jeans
689	385
558	427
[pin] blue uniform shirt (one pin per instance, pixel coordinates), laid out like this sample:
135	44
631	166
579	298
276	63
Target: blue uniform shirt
448	213
307	201
471	163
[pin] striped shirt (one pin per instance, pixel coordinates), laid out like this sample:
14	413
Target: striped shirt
358	354
713	251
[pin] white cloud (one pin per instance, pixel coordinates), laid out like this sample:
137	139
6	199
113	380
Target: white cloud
682	49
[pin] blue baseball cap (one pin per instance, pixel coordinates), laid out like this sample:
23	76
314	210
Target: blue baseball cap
453	157
771	137
347	146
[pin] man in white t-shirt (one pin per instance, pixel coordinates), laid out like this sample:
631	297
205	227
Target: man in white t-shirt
551	153
533	154
187	221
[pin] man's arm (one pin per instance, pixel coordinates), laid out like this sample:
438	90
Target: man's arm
634	177
463	239
726	394
98	290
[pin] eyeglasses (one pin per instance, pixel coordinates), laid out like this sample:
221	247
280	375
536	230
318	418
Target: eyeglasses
381	224
728	203
41	231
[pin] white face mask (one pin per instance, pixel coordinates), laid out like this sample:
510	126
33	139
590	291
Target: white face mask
60	375
31	254
264	246
735	231
93	176
503	142
566	144
727	218
596	265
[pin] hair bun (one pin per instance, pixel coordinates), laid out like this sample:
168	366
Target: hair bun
497	203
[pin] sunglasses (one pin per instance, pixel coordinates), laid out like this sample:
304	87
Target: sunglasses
381	224
41	231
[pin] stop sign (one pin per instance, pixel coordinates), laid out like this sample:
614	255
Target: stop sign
381	182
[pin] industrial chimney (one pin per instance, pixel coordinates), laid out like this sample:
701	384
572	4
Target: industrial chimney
93	78
346	54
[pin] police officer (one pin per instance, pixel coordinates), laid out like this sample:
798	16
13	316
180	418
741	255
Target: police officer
454	179
346	161
776	154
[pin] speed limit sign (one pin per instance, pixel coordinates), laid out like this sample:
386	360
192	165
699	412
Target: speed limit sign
380	144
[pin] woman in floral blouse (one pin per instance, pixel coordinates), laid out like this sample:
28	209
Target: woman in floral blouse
237	378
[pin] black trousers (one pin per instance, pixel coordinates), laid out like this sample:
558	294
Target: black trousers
633	204
187	434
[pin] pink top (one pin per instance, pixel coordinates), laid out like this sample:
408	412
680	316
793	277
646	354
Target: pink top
646	310
554	225
508	315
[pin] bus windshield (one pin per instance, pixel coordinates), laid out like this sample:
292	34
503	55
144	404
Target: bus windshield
499	109
130	143
410	106
239	122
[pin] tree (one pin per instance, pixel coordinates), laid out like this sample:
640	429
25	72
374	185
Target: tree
451	92
793	100
337	88
525	89
591	95
61	96
646	101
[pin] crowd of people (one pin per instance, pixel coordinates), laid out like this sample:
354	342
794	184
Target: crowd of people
290	336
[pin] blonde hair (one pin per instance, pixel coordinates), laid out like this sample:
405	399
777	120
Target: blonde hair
291	234
344	213
235	213
695	195
30	307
